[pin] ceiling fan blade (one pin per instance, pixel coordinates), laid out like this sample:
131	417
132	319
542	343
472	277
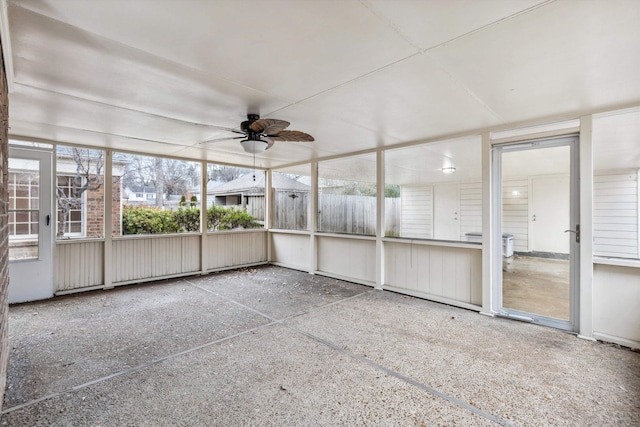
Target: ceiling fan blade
222	128
269	141
223	139
292	136
269	126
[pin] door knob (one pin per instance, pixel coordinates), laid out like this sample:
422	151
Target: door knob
576	232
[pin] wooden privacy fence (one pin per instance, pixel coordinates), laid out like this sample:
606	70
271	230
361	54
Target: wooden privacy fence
291	210
336	213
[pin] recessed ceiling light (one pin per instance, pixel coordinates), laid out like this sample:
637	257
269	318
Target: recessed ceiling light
448	169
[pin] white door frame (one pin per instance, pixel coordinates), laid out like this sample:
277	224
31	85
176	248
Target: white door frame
32	279
496	205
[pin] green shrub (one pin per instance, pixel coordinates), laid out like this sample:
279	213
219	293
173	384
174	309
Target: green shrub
194	201
228	218
188	219
152	220
148	220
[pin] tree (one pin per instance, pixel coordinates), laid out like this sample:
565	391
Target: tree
88	177
166	177
222	173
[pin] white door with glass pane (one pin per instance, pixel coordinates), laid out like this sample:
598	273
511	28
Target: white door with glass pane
30	225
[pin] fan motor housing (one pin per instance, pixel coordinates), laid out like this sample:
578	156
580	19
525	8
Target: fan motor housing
250	119
245	126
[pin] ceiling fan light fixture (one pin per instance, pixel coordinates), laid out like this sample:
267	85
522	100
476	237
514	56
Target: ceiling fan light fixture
254	146
448	169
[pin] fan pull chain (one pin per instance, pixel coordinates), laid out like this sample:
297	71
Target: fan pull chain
254	163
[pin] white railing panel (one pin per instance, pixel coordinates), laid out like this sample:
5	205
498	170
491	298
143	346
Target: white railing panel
616	292
236	248
78	265
291	250
348	257
453	273
147	257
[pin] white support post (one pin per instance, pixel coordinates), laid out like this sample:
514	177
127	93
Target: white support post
586	228
108	220
204	251
313	219
488	231
268	210
380	219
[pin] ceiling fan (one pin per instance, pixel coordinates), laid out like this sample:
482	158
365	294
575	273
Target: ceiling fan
261	134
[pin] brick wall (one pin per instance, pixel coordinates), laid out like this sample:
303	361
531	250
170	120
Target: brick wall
94	209
116	222
4	231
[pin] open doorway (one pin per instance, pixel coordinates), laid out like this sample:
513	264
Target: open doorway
539	231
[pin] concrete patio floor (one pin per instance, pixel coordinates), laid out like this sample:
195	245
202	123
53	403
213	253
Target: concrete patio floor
270	346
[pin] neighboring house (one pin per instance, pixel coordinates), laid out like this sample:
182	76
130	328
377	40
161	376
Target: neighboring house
140	195
247	193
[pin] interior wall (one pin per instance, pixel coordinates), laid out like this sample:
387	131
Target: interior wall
4	230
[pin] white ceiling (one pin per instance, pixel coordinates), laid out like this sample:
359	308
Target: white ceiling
151	75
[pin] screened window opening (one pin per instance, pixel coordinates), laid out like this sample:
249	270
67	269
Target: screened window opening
347	195
235	198
79	192
158	195
616	174
292	195
434	191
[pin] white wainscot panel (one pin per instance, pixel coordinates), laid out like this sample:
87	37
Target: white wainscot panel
616	294
291	250
450	274
236	248
78	265
143	258
347	257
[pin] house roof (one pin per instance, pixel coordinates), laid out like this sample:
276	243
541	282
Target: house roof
356	74
246	183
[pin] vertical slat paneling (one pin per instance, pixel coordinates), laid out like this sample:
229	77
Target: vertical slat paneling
448	272
476	280
78	265
237	248
436	260
463	275
141	259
